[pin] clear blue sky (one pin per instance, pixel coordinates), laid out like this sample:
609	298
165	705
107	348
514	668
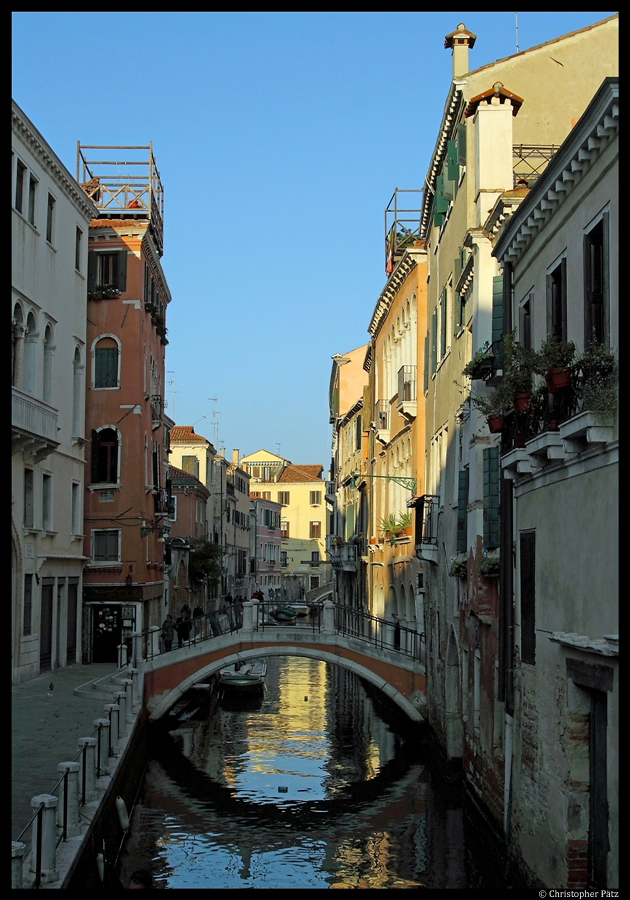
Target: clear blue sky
280	138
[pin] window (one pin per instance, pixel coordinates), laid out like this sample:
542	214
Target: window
77	406
266	495
105	456
596	311
316	498
47	502
284	529
48	362
172	511
32	188
442	315
75	510
314	529
190	464
77	249
528	596
557	301
106	363
283	559
315	557
28	604
19	186
525	311
433	343
497	308
462	510
491	497
28	498
283	497
106	545
107	270
49	218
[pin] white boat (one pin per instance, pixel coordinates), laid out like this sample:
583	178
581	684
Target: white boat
300	608
248	675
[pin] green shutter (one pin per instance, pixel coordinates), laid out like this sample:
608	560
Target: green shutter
461	144
497	307
122	271
105	367
452	161
491	497
462	510
426	363
92	260
433	343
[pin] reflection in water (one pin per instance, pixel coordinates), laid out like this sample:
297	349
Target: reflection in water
310	789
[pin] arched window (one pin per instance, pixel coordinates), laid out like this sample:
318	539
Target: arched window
30	355
17	346
77	406
106	362
48	364
105	456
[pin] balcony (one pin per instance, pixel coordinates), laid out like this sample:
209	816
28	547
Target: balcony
402	225
427	511
126	187
381	412
33	426
156	411
407	399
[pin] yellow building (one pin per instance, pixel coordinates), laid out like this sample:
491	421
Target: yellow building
301	492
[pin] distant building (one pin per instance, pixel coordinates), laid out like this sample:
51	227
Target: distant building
126	501
266	546
301	492
188	519
236	530
49	243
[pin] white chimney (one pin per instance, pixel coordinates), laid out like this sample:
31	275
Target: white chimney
459	41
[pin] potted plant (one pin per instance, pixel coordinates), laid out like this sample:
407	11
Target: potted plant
391	528
495	406
481	363
459	568
489	567
596	386
405	522
554	360
519	366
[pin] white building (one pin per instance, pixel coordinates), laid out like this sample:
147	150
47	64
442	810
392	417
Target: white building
50	220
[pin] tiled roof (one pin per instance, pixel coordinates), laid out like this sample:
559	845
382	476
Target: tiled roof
177	476
185	434
301	473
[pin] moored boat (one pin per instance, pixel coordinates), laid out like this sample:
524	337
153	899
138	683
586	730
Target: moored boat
245	676
284	614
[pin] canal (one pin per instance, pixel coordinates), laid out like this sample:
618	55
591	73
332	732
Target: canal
314	785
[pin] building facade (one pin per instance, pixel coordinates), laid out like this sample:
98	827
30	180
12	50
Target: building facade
49	243
559	255
300	491
265	547
126	503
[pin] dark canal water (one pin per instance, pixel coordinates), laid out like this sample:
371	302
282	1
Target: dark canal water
316	786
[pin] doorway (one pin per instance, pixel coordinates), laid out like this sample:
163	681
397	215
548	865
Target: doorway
106	633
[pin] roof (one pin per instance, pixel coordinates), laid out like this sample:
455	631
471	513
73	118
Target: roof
301	473
178	476
185	434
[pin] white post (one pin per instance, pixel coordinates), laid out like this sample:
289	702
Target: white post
122	655
88	745
248	615
154	639
73	823
113	710
121	699
128	682
135	692
137	649
17	863
329	617
48	826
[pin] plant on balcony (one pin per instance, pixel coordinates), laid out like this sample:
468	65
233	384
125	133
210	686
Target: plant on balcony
336	540
519	366
459	568
495	405
489	567
597	384
391	528
481	363
554	360
103	292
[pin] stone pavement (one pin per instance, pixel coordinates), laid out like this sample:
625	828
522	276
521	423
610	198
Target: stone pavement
45	728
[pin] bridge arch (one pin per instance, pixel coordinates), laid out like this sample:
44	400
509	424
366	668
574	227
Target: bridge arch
406	689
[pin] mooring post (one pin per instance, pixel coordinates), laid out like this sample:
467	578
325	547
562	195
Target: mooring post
17	864
121	699
88	774
44	853
104	743
128	682
113	710
68	807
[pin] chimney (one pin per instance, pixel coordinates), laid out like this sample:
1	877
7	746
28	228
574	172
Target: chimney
459	41
235	458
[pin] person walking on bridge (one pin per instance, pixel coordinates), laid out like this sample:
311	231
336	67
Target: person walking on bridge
168	630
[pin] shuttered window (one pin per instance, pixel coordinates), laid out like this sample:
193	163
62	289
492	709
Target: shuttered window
426	367
557	302
461	144
452	161
497	307
107	269
105	546
434	343
104	456
106	364
462	510
528	596
491	497
596	312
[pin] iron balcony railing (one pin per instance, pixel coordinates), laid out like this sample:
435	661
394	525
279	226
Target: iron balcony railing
427	508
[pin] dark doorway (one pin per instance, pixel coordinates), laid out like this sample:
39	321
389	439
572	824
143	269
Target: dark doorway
598	845
106	633
45	629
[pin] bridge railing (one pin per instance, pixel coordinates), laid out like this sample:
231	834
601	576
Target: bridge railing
380	633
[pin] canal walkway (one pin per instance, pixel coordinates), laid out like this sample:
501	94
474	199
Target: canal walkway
45	729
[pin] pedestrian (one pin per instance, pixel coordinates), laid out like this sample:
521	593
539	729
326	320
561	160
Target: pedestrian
212	621
168	629
198	620
186	609
238	611
182	627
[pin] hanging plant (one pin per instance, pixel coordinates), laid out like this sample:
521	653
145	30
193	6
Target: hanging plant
489	567
459	568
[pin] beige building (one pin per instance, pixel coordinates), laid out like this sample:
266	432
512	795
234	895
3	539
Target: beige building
301	492
502	124
563	482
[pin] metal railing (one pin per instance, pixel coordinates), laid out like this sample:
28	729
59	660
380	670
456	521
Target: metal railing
382	634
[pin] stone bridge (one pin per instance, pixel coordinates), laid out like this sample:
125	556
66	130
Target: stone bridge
400	677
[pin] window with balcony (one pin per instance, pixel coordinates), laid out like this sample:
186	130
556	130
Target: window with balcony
107	270
557	301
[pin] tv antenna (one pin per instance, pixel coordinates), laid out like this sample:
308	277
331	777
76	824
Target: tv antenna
516	16
215	422
173	392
